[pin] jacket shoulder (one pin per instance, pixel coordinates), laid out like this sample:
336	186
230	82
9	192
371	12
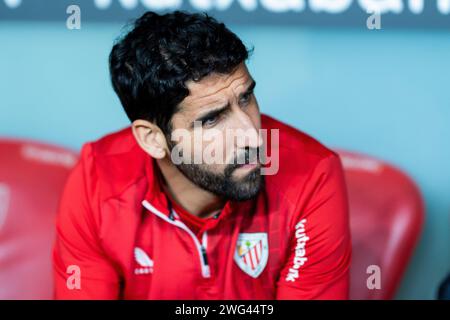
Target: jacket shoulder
295	144
116	161
301	159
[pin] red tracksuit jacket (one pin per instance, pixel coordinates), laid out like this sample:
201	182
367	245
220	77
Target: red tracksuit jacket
116	234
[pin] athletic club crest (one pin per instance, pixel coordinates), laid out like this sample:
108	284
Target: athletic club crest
252	253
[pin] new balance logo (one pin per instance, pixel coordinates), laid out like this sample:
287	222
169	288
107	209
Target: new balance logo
299	259
144	262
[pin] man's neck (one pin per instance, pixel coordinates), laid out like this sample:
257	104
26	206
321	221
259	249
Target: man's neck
195	200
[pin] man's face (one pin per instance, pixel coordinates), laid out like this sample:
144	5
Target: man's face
215	133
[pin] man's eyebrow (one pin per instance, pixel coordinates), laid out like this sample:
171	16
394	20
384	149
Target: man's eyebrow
250	88
215	112
211	114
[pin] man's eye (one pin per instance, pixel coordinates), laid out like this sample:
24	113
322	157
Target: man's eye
246	97
210	121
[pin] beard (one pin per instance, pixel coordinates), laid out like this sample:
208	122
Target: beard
224	184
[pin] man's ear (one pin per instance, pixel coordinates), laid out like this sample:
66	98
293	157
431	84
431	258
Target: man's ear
150	138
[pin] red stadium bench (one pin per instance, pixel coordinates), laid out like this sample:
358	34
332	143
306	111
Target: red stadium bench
32	176
386	218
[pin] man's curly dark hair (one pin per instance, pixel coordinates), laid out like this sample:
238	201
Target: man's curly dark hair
151	64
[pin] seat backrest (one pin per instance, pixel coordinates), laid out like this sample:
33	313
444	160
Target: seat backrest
386	217
32	176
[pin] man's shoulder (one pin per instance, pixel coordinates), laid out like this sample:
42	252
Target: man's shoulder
302	159
294	146
114	143
115	161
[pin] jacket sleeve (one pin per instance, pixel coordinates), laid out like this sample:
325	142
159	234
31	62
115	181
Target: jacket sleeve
320	244
81	270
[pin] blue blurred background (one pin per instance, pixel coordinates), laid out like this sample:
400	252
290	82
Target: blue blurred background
385	93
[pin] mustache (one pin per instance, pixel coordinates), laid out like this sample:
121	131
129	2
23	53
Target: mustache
250	155
247	156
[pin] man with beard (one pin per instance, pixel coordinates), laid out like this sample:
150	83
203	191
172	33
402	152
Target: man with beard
183	204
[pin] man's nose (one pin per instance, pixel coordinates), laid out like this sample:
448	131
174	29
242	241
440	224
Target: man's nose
247	134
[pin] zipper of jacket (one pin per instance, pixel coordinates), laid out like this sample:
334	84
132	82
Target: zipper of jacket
201	247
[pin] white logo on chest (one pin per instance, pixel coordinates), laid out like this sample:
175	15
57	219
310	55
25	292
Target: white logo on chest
144	262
